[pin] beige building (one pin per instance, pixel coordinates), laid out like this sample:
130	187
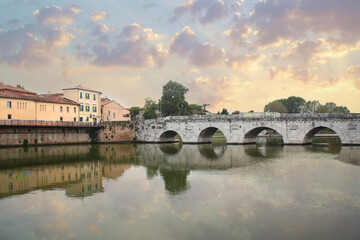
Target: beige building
78	179
89	103
19	104
113	111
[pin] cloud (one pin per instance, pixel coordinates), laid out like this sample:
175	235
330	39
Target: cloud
222	89
38	44
294	72
286	20
139	51
98	15
185	44
54	15
353	74
130	30
205	11
246	61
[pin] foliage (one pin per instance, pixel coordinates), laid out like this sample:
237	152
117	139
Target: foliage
276	106
134	111
299	105
150	109
173	102
199	109
19	86
224	112
235	112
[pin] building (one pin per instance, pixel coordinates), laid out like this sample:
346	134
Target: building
20	104
89	103
113	111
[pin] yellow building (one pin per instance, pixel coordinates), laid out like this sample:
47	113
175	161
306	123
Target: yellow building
113	111
89	100
19	104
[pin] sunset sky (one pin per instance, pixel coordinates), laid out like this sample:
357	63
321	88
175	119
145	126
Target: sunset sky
238	55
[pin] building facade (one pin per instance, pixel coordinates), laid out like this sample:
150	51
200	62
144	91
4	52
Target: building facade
113	111
89	103
19	104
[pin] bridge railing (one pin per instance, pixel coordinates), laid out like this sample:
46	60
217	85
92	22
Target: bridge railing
265	115
41	123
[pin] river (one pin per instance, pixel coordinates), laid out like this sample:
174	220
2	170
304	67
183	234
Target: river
175	191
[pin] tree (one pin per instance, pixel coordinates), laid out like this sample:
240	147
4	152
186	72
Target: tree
311	107
134	111
294	104
172	102
224	112
19	86
196	109
276	106
150	109
235	112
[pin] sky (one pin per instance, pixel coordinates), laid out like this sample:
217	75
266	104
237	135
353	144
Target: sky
238	55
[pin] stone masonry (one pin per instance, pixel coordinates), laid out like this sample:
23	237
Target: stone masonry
295	129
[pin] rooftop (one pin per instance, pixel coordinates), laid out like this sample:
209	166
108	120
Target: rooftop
49	98
79	87
9	88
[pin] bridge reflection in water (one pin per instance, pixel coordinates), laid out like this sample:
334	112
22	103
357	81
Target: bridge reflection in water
80	170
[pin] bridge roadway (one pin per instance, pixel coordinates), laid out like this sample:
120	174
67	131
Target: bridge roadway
295	129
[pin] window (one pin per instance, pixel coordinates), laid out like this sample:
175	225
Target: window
53	108
74	109
9	104
87	108
80	119
61	118
87	119
94	108
9	116
67	109
94	97
80	94
74	119
61	109
113	115
81	108
87	95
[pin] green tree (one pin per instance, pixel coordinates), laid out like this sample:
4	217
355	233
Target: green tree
134	110
19	86
224	112
276	106
311	107
150	109
235	112
294	104
172	102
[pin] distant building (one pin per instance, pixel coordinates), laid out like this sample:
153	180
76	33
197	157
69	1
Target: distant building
113	111
20	104
89	100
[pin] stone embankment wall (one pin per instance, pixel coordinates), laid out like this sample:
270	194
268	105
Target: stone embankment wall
117	132
28	136
32	136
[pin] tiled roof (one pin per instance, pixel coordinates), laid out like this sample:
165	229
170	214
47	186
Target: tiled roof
81	88
106	101
38	98
9	88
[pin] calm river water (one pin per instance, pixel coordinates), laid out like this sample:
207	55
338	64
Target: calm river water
174	191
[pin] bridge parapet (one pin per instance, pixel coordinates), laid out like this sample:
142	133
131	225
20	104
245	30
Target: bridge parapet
265	116
244	128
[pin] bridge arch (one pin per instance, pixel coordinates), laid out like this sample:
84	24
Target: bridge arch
308	138
251	135
169	136
206	135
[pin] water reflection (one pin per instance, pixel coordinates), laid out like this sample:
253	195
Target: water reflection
79	170
180	192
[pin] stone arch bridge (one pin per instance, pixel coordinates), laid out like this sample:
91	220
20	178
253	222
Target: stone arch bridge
297	129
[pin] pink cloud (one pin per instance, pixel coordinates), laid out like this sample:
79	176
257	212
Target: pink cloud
185	44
